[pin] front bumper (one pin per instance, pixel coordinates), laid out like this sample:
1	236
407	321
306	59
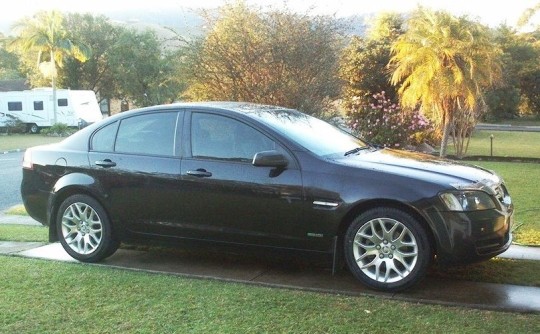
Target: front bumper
466	237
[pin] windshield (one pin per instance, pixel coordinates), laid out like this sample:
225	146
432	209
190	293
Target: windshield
315	135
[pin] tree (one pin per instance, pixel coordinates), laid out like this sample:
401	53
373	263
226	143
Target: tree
97	73
143	70
519	62
9	63
45	34
274	57
443	63
364	63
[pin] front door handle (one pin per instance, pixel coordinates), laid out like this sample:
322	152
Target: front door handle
199	173
107	163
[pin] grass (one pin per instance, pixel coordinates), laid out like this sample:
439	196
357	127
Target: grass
17	210
505	144
40	296
523	182
23	233
24	141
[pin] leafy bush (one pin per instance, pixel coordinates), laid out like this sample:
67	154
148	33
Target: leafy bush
385	123
59	130
14	125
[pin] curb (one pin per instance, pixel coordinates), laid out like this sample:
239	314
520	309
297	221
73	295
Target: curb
12	151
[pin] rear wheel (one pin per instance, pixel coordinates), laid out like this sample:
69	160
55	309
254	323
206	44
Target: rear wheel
387	249
84	229
33	128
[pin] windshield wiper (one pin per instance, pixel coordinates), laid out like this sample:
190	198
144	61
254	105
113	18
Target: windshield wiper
355	150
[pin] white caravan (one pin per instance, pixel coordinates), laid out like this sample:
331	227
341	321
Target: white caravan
35	107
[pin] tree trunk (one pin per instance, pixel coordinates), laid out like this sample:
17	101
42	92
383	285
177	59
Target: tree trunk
445	136
447	123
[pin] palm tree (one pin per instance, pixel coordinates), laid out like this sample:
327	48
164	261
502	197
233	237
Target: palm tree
45	34
442	63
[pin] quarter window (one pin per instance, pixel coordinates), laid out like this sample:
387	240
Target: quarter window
223	138
103	139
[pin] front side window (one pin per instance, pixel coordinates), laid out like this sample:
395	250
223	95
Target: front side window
223	138
152	134
15	106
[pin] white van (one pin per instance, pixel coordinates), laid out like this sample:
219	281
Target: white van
35	108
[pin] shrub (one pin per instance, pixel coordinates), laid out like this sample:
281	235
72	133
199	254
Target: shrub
14	125
385	123
58	130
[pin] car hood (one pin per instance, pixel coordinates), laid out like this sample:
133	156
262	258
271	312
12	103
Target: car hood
421	166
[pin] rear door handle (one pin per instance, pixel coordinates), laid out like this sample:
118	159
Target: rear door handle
199	173
107	163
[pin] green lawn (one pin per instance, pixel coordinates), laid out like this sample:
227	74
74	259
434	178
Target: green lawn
24	141
10	232
523	182
505	144
48	297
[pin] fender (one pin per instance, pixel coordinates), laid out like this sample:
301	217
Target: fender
74	182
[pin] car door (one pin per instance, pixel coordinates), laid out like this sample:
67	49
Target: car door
137	164
226	198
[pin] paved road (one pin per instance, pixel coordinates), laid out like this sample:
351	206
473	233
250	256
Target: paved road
10	179
507	127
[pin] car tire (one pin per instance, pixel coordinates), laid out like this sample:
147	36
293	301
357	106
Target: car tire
387	249
84	229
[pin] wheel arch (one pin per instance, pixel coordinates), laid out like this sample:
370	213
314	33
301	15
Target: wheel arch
388	203
62	191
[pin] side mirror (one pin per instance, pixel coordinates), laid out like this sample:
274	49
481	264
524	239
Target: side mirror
270	159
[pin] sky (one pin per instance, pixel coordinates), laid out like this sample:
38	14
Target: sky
490	12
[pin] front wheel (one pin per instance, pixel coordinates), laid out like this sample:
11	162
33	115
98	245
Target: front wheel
84	229
387	249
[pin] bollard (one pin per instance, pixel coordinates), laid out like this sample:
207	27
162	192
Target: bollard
491	145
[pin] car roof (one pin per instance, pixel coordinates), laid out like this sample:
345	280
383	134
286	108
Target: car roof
239	107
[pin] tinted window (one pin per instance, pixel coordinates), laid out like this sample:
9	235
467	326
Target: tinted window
103	139
14	106
151	134
219	137
38	105
62	102
312	133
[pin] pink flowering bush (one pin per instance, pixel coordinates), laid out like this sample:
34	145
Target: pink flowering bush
385	123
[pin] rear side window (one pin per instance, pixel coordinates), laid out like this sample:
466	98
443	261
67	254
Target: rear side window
62	102
103	139
152	134
14	106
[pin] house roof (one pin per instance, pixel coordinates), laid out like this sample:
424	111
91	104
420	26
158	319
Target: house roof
13	85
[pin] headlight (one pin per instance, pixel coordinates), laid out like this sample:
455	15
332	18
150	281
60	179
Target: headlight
467	200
